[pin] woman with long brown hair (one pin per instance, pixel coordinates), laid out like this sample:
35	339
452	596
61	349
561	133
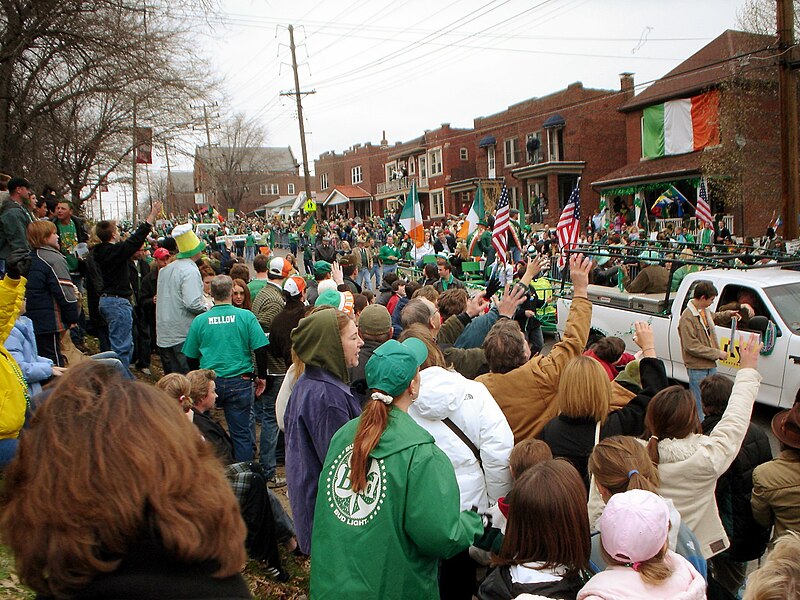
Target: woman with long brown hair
689	463
99	477
388	504
545	550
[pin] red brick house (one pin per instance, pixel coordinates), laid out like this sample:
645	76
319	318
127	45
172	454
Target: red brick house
361	166
742	164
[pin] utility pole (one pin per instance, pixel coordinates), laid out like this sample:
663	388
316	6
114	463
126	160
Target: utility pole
207	166
168	202
133	179
298	98
787	90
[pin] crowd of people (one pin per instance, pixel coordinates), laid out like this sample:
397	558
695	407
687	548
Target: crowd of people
430	449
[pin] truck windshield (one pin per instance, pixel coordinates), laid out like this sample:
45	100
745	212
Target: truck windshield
786	300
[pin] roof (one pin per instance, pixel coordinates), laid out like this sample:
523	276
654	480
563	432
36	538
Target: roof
182	182
713	63
555	120
253	160
651	170
351	191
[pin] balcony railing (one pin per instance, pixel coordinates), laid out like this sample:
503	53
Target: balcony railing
727	220
400	185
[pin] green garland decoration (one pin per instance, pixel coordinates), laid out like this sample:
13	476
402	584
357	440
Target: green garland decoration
770	335
649	187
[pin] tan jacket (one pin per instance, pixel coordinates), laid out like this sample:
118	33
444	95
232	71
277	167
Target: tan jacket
358	260
776	493
527	395
699	345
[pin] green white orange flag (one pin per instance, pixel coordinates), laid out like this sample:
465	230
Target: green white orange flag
411	217
681	126
476	213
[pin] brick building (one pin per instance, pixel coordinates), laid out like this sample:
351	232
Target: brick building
246	178
361	166
742	163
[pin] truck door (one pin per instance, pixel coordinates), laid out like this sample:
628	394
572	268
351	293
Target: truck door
771	366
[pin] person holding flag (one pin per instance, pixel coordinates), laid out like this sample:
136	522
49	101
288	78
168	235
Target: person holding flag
475	216
411	220
515	236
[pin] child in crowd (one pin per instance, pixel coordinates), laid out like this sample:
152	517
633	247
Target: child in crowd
21	343
546	547
633	532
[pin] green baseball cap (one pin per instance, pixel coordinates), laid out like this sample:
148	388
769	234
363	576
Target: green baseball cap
322	266
393	365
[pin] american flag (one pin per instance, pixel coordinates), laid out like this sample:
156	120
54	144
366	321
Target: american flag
500	231
568	226
703	210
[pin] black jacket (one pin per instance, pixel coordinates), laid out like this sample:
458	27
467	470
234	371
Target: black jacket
498	586
573	438
112	261
280	333
149	571
215	434
748	539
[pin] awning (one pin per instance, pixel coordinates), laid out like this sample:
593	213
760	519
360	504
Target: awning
554	121
489	140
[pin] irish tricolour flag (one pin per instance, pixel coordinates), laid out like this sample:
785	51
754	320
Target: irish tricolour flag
681	126
411	217
476	213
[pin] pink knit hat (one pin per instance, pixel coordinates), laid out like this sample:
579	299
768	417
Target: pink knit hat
634	526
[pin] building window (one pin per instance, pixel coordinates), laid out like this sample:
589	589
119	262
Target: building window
490	155
355	175
411	165
511	147
437	204
533	147
268	189
555	144
423	168
464	154
323	181
290	189
436	162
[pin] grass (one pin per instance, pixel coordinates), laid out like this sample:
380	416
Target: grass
10	587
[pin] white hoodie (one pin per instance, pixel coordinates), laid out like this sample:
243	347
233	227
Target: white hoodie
472	408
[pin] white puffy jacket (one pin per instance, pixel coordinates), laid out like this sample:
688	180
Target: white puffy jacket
472	408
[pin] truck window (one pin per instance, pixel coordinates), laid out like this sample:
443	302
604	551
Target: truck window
786	300
734	296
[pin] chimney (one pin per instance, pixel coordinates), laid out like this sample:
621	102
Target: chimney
383	139
626	82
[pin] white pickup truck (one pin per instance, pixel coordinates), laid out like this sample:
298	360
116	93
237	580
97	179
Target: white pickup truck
777	294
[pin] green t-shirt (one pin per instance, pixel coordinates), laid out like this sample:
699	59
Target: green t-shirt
249	241
67	240
223	338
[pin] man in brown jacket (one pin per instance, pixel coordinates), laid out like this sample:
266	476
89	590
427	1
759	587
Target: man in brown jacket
699	344
527	394
652	279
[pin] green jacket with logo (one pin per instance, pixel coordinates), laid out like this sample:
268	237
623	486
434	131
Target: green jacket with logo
385	541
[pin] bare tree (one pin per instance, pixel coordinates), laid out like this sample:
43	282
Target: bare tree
236	164
758	16
70	72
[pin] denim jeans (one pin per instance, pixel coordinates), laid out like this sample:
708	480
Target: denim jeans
695	377
378	273
111	359
118	313
235	396
386	269
264	413
249	253
284	527
173	360
8	449
364	278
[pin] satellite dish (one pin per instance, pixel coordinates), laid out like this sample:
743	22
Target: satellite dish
533	144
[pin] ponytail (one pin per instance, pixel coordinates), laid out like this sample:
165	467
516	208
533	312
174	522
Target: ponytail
652	449
370	429
653	571
621	463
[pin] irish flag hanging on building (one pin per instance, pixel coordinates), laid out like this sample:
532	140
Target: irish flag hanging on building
411	217
681	126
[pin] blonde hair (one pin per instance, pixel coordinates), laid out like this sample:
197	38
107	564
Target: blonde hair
584	390
620	463
179	387
653	570
200	380
779	578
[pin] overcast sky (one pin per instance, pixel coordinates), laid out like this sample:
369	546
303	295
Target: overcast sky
405	67
408	66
